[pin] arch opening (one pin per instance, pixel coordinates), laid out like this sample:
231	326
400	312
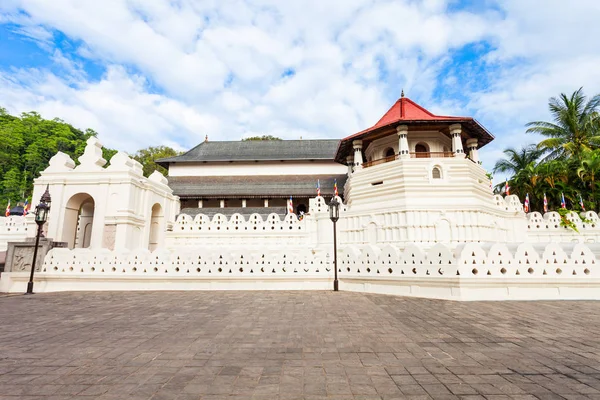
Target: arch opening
78	222
389	152
422	150
156	224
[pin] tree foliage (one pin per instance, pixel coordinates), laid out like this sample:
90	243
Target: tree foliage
566	161
27	142
263	137
148	156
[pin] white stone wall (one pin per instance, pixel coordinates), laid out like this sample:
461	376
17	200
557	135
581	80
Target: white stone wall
316	167
249	230
469	272
547	228
400	202
12	229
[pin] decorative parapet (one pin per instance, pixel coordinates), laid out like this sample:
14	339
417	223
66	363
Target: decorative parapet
548	227
201	230
508	203
469	272
12	229
470	260
208	263
219	224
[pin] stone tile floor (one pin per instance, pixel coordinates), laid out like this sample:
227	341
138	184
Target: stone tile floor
294	345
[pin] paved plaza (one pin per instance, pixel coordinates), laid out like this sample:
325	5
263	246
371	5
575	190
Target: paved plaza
294	345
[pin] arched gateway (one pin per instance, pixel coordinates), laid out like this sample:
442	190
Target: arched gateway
79	221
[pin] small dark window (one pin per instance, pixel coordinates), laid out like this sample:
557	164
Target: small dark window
389	153
436	173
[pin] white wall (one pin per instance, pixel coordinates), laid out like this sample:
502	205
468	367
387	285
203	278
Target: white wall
469	272
13	229
260	168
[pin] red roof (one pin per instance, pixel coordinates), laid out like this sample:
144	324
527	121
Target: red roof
406	110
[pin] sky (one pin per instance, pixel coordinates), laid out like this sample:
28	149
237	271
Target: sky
168	72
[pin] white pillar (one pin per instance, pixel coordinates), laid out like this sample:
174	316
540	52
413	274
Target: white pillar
358	160
472	148
222	203
457	147
200	203
266	202
403	149
244	203
350	163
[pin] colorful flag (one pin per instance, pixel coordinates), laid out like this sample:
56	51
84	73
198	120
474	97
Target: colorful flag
563	204
335	191
506	188
526	205
7	213
318	187
581	203
290	206
545	203
26	207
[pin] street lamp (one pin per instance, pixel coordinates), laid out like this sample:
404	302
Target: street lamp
41	216
334	215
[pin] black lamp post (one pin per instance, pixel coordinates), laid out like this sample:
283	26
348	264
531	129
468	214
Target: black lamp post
334	214
41	216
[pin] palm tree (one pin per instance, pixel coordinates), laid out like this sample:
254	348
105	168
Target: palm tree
517	160
575	127
590	170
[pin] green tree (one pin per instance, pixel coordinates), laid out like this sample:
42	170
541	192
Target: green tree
27	142
12	186
263	137
516	160
589	171
575	126
148	156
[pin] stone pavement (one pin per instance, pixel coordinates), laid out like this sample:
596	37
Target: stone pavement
294	345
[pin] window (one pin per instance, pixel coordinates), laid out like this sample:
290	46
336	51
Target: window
422	150
436	173
389	152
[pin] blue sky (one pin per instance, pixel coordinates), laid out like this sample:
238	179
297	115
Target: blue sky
158	72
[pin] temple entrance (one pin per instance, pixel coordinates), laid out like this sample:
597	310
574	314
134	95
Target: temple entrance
421	151
79	221
156	222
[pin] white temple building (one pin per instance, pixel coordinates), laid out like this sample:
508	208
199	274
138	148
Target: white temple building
418	218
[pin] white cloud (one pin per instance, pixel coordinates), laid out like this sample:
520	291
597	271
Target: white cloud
217	66
127	117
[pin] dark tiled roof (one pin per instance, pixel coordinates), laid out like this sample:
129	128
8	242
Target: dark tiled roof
229	211
264	150
254	186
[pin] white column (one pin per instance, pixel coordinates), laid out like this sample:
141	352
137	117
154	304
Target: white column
244	203
200	203
266	202
472	148
350	163
358	160
222	203
403	149
457	147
